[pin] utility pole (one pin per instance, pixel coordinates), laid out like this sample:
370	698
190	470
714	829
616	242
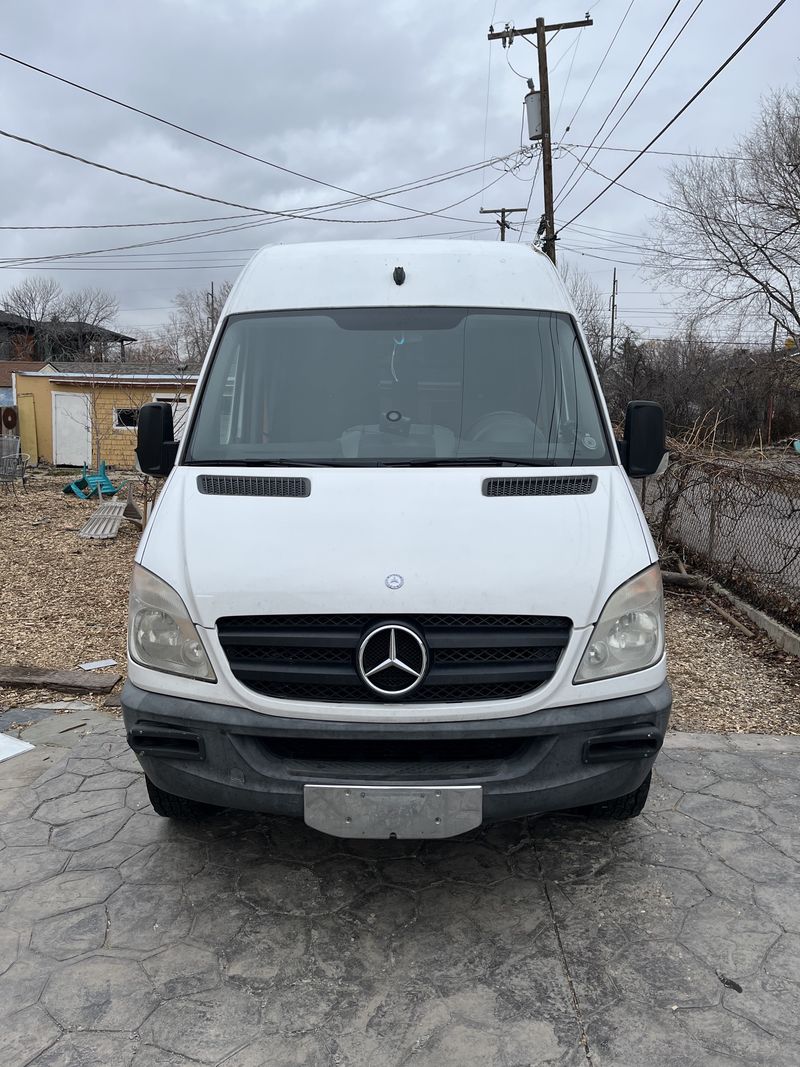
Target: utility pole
613	306
212	310
547	229
549	235
771	398
502	212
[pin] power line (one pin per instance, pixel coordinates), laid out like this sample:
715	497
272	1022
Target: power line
130	225
513	69
415	214
139	178
637	94
773	11
600	67
413	186
191	133
33	260
488	87
654	152
638	192
622	92
569	75
25	261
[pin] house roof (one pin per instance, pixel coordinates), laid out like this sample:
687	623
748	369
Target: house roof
165	375
15	366
101	378
122	370
86	329
7	319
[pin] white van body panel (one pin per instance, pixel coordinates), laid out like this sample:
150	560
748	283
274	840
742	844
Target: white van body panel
359	274
457	550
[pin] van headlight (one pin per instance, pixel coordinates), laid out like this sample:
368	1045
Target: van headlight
160	633
629	634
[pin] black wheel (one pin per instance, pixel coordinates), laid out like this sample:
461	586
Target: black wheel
627	807
174	807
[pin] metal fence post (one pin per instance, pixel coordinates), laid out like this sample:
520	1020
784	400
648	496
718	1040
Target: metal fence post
712	522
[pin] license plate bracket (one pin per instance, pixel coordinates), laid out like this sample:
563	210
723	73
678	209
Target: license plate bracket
380	812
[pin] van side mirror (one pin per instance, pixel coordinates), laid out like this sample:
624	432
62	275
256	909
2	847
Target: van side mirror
156	446
644	443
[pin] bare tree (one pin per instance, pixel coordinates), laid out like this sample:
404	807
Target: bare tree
34	299
731	235
95	307
44	305
592	308
151	378
162	346
194	319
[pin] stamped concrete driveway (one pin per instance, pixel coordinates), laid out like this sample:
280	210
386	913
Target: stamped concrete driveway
127	940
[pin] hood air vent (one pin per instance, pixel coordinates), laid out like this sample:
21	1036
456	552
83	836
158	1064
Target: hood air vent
231	485
569	485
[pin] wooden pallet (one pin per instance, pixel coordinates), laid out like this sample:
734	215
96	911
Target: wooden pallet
105	522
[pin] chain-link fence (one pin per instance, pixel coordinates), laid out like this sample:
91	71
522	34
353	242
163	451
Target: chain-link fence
739	521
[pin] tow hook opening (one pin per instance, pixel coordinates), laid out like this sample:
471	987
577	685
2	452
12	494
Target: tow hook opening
150	739
636	744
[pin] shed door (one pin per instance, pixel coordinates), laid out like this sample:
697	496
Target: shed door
72	432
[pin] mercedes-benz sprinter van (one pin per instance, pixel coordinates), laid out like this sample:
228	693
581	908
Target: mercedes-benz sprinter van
397	582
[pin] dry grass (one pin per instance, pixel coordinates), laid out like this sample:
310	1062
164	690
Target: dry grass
63	600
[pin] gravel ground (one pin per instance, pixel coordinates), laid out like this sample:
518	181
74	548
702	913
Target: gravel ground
723	680
63	600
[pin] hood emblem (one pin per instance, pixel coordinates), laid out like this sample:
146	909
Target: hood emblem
394	581
392	660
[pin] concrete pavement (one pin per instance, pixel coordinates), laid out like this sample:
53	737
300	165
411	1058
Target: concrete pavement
131	941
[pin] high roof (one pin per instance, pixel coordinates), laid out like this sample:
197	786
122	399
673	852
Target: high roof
487	274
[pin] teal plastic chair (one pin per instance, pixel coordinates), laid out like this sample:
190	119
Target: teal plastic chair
89	485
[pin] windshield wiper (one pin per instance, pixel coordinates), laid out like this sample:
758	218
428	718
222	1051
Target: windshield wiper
262	463
467	461
444	461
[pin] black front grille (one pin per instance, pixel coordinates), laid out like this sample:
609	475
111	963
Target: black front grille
472	657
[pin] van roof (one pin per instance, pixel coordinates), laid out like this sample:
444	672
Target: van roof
438	273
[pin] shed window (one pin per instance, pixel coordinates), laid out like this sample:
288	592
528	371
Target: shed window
126	418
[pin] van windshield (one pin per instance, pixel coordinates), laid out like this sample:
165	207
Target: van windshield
398	385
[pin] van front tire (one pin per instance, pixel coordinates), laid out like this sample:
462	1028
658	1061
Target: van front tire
625	807
170	806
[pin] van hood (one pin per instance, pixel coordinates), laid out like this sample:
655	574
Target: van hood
449	547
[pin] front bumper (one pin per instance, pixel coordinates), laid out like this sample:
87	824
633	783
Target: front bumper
547	760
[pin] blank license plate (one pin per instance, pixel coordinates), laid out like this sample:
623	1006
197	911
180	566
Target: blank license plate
393	811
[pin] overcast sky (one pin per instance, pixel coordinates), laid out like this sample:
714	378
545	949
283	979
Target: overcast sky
365	96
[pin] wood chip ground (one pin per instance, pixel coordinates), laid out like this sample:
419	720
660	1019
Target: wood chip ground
63	600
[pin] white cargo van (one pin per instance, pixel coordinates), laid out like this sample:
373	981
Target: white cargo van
397	582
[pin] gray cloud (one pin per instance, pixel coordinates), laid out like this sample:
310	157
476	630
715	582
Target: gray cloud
364	95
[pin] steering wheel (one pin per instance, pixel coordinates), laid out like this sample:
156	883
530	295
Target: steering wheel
507	427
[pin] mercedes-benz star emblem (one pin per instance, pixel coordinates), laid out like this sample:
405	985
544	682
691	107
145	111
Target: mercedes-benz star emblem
392	660
394	581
